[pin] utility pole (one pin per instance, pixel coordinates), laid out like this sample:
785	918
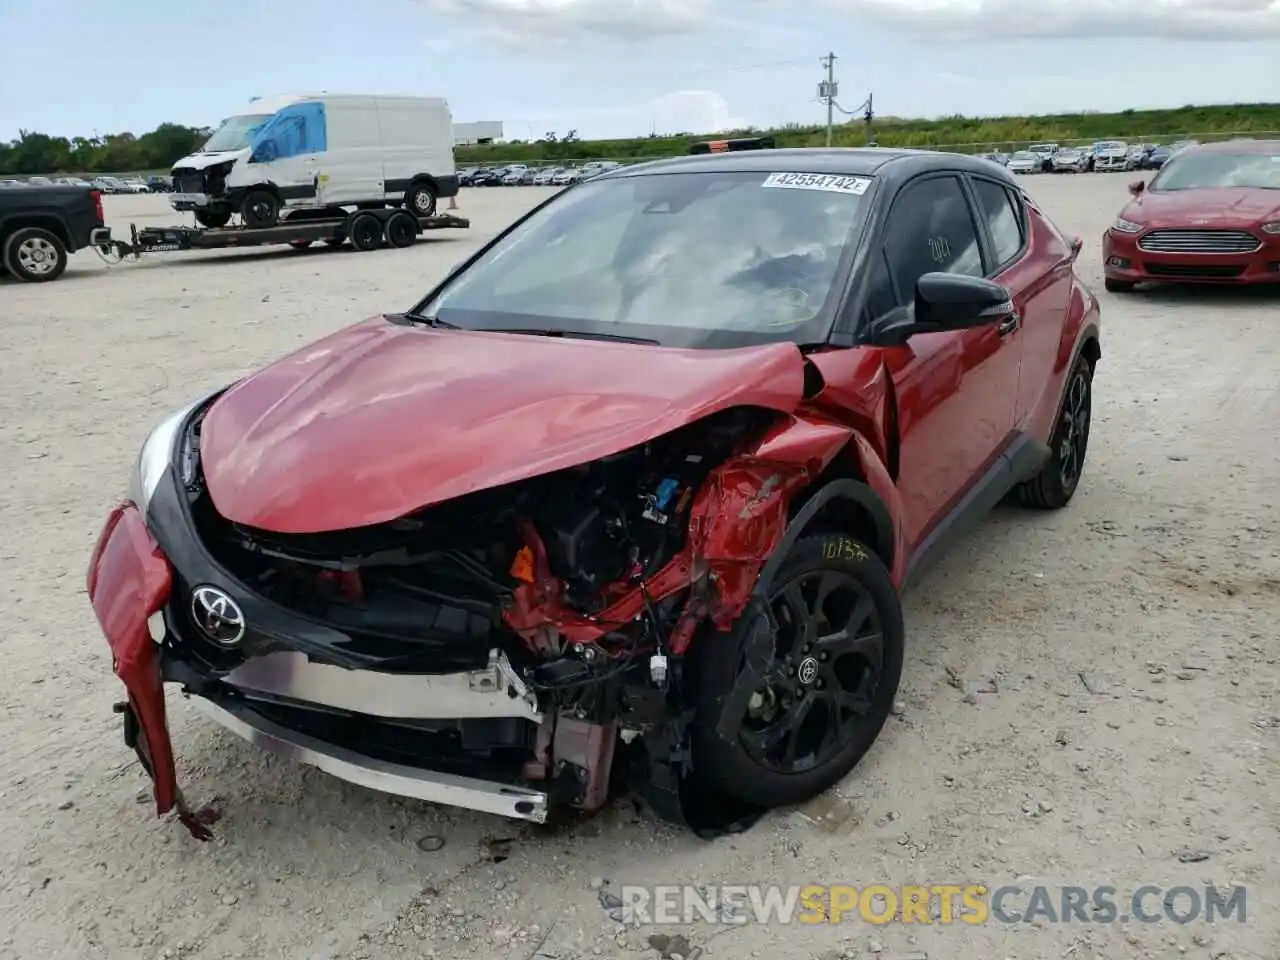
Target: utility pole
828	90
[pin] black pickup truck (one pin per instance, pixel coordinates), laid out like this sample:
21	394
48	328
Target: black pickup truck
41	226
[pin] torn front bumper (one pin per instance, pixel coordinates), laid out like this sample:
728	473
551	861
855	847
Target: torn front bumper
129	583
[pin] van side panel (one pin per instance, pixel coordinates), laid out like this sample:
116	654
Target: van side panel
417	141
350	170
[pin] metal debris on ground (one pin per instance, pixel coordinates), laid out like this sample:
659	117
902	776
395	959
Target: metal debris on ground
1188	855
431	843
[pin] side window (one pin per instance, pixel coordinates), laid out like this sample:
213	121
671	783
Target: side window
1003	218
931	230
294	131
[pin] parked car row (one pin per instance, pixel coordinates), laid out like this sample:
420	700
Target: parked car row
1100	157
101	184
523	175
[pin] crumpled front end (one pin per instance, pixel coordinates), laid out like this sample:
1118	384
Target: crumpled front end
493	651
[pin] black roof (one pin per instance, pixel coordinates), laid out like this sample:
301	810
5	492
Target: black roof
840	161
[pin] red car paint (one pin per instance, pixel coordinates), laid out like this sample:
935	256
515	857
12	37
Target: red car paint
1199	209
129	579
410	417
380	420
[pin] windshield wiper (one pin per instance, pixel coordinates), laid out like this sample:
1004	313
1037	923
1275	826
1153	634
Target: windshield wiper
430	321
575	334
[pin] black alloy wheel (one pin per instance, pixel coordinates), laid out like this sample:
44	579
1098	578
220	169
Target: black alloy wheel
1056	483
805	720
827	664
1074	442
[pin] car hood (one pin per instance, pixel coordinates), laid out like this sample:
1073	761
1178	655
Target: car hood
1217	207
382	419
201	161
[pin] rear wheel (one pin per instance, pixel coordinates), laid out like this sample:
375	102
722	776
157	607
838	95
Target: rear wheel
1118	286
34	255
421	200
214	217
366	232
402	229
826	690
1054	486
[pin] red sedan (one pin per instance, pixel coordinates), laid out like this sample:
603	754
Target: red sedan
637	488
1211	215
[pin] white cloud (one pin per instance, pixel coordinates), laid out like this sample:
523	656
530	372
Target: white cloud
682	111
527	23
1045	19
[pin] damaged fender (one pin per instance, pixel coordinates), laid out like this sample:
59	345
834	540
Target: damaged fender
128	581
737	520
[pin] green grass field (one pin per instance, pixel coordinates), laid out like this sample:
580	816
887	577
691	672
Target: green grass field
963	134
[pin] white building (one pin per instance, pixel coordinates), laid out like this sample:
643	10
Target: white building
481	131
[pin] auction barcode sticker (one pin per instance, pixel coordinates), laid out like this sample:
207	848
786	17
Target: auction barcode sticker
818	181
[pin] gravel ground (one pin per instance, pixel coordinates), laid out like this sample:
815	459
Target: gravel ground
1161	584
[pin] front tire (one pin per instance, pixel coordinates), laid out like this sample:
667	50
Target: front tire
1054	486
828	690
261	209
34	255
213	218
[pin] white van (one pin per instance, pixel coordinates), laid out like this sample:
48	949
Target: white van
320	151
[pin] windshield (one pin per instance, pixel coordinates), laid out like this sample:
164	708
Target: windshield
1259	171
235	133
682	259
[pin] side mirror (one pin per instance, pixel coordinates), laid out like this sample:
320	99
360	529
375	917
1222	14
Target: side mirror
1137	187
1077	244
265	152
949	301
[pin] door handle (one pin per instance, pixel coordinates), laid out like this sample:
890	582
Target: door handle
1009	324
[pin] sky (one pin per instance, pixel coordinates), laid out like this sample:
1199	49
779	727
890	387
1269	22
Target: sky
626	67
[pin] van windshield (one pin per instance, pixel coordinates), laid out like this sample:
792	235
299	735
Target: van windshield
235	133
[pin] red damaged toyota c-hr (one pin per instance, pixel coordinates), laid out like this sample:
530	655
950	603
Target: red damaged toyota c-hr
635	489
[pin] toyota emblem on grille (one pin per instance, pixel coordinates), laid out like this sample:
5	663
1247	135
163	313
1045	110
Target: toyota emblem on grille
217	615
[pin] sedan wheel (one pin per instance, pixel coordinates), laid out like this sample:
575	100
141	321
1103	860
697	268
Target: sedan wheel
803	720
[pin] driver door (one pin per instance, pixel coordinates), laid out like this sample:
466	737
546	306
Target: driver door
956	390
286	152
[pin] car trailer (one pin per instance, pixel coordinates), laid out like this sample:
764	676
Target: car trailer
365	229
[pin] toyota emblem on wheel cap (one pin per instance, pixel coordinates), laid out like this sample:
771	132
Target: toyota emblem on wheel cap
217	615
808	671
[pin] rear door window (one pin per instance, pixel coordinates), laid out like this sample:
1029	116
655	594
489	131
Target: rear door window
1004	222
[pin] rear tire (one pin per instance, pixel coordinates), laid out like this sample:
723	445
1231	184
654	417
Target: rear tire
34	255
1118	286
830	685
214	218
261	209
1056	483
421	200
366	232
402	230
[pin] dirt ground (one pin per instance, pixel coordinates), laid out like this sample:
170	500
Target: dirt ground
1161	584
